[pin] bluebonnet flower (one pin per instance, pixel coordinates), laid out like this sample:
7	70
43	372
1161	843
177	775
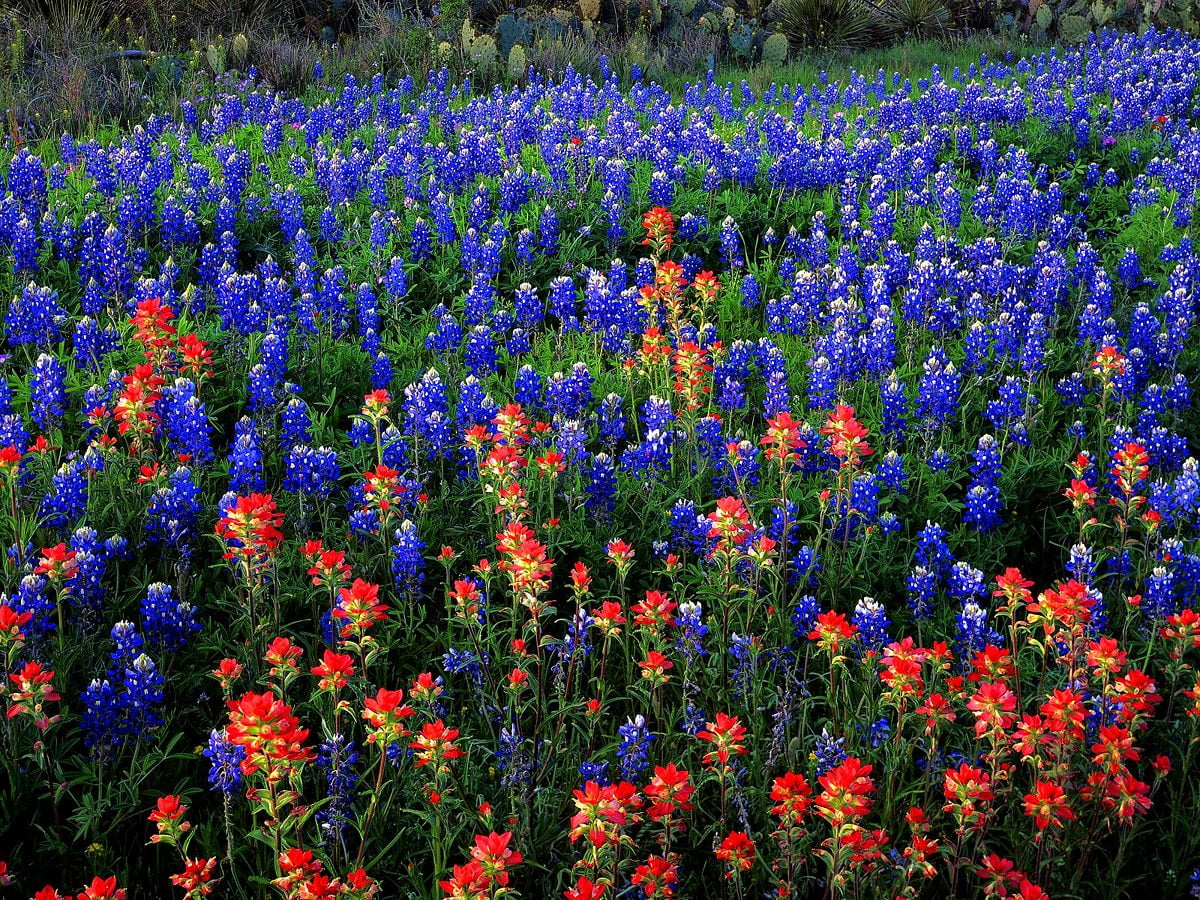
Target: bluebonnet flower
35	317
634	749
972	632
872	622
295	422
184	420
804	616
662	191
311	472
940	460
173	512
99	721
47	391
167	623
922	586
751	292
31	596
594	771
938	390
1160	595
336	758
514	759
92	557
829	752
93	344
890	472
895	407
246	459
689	617
67	499
601	486
877	731
125	705
463	662
965	582
731	244
408	561
983	503
141	700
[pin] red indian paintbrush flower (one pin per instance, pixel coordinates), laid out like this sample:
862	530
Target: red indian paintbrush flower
264	726
359	609
655	613
196	879
730	523
655	667
1047	806
602	811
334	671
670	790
467	882
585	889
793	798
738	851
832	630
993	705
57	563
12	623
846	792
782	439
435	744
660	228
847	436
32	690
725	734
250	527
494	855
385	714
968	791
168	814
656	877
329	568
102	889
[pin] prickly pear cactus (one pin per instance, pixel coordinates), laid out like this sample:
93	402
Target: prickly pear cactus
467	37
775	50
510	31
1102	13
516	63
589	10
1073	28
483	53
552	28
741	41
239	50
214	55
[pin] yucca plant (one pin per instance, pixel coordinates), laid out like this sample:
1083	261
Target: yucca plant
917	19
820	24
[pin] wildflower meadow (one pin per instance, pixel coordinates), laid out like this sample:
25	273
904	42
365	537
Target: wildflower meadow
424	489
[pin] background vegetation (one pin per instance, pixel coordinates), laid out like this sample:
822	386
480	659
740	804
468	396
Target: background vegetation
80	65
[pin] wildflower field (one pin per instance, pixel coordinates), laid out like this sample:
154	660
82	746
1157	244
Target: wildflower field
586	490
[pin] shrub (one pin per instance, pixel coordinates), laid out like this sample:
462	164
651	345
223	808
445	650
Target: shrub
819	24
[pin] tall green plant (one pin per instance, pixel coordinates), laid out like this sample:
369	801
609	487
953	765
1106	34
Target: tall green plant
821	24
